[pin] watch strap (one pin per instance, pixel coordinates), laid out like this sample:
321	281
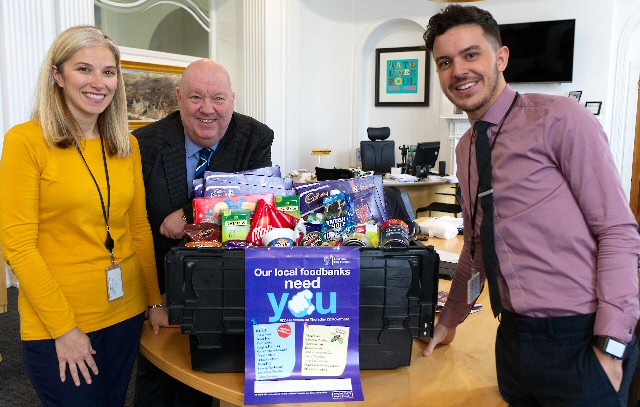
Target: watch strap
610	346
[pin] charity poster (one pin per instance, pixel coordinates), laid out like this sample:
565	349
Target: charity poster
302	325
402	76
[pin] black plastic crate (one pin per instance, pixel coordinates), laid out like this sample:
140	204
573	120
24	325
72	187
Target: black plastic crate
398	295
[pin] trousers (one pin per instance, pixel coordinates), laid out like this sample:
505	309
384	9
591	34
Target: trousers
116	347
551	362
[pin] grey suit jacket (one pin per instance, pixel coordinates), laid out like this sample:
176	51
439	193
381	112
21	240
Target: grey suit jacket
246	145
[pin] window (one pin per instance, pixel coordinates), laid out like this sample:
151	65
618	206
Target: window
177	26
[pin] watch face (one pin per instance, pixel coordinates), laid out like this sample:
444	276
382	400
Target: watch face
615	348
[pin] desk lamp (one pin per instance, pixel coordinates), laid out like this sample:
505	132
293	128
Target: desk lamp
320	152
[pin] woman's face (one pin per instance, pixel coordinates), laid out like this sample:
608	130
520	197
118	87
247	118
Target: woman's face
89	79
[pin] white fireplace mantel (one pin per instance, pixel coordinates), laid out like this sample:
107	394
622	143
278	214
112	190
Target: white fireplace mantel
458	125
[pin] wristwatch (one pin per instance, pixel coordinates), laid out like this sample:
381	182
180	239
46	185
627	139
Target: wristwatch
610	346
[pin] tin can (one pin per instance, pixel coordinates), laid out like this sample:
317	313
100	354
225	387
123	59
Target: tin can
394	233
313	239
357	239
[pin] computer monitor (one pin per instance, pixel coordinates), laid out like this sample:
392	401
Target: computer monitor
378	156
426	155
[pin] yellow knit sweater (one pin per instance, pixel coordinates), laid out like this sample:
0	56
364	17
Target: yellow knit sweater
52	232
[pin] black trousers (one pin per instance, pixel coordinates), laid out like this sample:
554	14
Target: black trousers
551	362
155	388
116	347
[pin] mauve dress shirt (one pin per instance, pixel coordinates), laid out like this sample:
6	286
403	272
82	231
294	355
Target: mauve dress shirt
565	236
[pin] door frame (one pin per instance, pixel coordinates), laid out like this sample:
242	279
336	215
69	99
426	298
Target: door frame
635	172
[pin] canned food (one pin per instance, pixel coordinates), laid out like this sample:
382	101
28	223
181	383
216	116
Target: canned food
394	233
357	239
313	239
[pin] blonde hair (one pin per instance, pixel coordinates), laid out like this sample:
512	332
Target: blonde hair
50	108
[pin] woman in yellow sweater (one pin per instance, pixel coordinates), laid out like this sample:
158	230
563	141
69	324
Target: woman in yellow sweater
74	228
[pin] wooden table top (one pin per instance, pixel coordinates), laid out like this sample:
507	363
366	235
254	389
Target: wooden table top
422	182
460	374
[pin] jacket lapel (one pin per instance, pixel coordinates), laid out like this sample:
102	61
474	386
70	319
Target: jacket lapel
173	157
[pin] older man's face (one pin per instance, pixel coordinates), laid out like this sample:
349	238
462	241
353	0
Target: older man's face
206	101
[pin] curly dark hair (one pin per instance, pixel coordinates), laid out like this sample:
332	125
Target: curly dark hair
454	15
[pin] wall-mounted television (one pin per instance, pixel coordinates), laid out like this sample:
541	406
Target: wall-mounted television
540	51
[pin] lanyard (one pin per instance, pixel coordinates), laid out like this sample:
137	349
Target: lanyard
106	211
474	213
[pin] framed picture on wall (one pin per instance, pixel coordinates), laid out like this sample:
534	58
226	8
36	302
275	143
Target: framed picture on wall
575	94
402	76
151	91
594	107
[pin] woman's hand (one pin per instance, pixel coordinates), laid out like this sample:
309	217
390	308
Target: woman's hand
74	348
158	317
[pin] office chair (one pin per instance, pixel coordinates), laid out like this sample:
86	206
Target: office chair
454	208
399	206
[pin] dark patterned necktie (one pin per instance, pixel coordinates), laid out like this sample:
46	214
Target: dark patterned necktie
485	194
203	162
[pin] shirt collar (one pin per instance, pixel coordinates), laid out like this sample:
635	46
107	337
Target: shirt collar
190	146
497	111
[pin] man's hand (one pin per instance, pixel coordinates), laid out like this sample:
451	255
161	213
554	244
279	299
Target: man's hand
441	335
74	348
612	367
173	225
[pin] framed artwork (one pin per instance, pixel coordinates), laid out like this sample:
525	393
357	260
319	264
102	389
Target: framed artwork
575	94
594	107
151	91
402	76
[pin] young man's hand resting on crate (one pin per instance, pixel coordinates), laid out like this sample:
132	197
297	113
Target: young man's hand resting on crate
441	336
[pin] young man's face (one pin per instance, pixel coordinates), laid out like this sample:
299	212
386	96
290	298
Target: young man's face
469	68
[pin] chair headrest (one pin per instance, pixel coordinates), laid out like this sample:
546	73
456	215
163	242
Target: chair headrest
378	133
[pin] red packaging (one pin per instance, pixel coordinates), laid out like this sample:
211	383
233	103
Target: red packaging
208	209
203	235
266	218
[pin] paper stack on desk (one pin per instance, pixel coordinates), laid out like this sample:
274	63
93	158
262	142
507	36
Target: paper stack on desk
402	177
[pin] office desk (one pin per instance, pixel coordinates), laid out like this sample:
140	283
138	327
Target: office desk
422	193
459	374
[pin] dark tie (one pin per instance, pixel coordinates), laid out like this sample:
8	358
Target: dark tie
203	162
485	194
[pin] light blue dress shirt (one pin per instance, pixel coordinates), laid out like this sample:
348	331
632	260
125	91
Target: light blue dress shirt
192	158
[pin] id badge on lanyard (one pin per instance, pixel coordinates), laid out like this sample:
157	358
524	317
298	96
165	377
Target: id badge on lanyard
115	286
473	287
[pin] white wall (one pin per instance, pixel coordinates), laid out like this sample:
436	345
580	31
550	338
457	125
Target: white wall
337	82
334	65
27	28
229	45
